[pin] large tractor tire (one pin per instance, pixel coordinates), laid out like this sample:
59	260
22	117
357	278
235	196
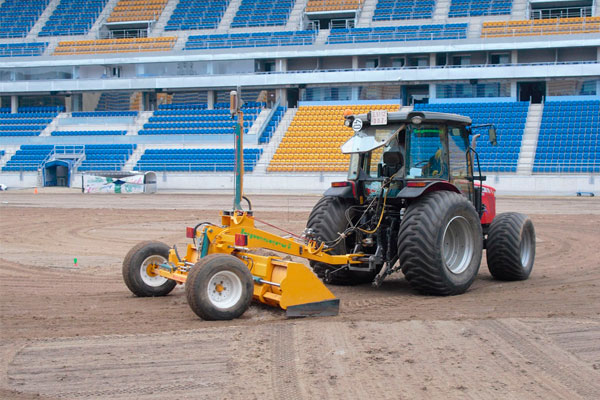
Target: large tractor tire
440	244
327	220
140	266
511	247
219	287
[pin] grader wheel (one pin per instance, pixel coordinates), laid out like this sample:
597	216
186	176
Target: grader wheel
139	270
219	287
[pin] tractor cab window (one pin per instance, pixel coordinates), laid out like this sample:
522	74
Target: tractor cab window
426	151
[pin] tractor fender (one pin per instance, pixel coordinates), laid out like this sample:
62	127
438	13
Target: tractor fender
412	192
344	192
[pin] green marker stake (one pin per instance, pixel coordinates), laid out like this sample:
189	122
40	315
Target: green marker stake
75	261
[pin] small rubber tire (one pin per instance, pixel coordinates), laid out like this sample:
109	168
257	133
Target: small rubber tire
440	244
326	219
510	246
219	287
135	270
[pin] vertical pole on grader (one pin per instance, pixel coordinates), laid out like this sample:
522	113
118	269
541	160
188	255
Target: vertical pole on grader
235	109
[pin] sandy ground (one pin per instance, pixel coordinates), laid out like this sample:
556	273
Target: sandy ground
76	332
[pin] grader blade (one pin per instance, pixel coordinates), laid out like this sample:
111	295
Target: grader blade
304	295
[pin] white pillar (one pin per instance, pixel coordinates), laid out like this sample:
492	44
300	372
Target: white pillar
514	57
432	57
210	99
432	91
354	62
14	104
513	89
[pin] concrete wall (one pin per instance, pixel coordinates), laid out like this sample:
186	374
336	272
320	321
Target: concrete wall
536	185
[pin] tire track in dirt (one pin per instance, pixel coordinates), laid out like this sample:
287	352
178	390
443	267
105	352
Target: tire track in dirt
81	368
558	365
283	377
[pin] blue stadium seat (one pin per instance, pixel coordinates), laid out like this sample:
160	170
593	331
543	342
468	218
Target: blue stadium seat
262	13
197	14
398	33
17	17
569	138
194	160
73	17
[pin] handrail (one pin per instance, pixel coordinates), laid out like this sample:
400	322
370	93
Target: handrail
268	119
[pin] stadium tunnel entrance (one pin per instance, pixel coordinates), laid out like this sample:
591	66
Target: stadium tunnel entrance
57	173
532	91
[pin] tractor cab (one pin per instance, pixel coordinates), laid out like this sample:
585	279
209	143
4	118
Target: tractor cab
412	149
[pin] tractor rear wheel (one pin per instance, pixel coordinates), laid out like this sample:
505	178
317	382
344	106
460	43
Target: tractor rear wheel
440	244
511	247
140	270
219	287
328	220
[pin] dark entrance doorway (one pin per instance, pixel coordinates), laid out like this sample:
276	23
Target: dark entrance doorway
292	97
56	173
532	91
412	94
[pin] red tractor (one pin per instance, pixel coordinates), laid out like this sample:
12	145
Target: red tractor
415	201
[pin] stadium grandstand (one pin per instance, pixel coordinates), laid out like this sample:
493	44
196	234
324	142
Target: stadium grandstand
116	87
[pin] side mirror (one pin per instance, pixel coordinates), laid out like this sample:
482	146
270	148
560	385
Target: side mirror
492	135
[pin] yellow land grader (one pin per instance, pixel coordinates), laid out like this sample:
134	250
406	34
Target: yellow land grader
412	202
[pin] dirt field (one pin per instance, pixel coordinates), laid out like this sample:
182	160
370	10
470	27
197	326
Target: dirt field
76	332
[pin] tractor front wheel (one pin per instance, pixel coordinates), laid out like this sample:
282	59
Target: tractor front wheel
440	244
219	287
511	247
140	270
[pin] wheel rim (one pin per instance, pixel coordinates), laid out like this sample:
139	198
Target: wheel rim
527	246
224	289
457	245
148	271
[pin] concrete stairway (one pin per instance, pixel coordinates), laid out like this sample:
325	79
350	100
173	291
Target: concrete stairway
518	11
141	119
530	139
366	15
39	24
322	37
227	18
269	149
94	32
159	27
258	122
134	158
294	21
440	12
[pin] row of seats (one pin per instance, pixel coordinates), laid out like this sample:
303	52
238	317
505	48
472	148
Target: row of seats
22	49
188	160
256	39
96	114
197	14
262	13
28	158
17	17
399	33
332	5
114	102
313	139
29	121
115	45
504	156
554	26
88	133
569	138
476	8
73	17
403	9
106	157
137	10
